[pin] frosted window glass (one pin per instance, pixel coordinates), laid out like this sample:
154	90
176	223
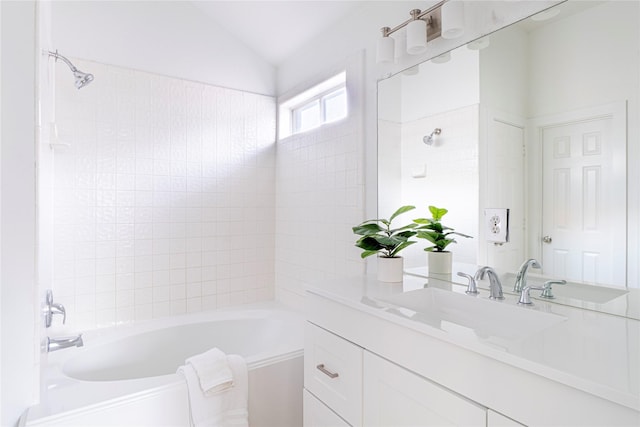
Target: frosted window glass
335	105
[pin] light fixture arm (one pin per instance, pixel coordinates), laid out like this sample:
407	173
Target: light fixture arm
416	14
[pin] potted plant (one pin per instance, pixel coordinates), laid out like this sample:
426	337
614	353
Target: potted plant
378	238
440	236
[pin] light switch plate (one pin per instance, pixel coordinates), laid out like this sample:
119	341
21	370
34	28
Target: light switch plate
497	223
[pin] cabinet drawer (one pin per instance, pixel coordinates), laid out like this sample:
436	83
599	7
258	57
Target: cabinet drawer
396	397
333	372
317	414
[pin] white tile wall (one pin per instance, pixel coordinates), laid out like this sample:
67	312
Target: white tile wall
164	203
319	198
451	181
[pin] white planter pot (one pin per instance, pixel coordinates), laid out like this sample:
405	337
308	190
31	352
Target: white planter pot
390	269
439	262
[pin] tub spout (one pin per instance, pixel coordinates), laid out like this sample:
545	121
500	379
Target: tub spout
54	344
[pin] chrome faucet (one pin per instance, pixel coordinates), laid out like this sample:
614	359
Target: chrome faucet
53	344
521	278
495	287
525	298
50	308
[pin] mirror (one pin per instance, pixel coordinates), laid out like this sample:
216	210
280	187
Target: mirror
540	118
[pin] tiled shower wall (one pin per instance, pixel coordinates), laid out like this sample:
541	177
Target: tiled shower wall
164	200
320	196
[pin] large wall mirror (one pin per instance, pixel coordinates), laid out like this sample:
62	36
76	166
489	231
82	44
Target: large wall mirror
540	118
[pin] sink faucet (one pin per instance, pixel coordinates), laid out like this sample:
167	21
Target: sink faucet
495	287
53	344
521	278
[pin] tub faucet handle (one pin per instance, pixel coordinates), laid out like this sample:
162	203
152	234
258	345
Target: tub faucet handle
50	308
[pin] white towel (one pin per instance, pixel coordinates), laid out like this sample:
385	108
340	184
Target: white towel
225	408
213	371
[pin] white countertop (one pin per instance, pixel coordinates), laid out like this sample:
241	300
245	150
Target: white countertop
591	351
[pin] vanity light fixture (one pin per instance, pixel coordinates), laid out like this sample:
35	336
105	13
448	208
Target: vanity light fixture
416	34
422	27
452	19
386	47
428	139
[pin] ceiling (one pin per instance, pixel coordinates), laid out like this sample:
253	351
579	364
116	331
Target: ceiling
276	29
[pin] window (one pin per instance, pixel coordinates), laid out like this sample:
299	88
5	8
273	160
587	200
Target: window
323	103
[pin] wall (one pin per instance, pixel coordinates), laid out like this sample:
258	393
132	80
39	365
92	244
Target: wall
172	38
504	76
18	349
359	31
320	196
588	59
451	179
164	200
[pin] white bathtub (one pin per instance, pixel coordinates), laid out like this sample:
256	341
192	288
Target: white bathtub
125	376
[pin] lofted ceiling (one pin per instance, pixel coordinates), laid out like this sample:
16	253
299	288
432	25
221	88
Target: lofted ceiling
275	29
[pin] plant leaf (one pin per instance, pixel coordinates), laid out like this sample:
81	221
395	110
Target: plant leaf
367	253
366	229
401	210
437	213
401	247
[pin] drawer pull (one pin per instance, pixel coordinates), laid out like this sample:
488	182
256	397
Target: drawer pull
325	371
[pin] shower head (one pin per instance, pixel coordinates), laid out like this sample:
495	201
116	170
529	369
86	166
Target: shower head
428	139
82	79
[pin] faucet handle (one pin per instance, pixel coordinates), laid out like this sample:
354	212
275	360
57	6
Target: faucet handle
546	288
50	308
525	298
472	287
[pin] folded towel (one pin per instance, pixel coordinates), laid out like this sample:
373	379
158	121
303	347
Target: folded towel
227	407
213	371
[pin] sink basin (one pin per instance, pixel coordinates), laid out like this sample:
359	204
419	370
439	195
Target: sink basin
451	311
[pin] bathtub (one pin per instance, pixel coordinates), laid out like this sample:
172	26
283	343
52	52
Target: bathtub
125	376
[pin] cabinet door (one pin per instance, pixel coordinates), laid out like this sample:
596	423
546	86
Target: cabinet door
396	397
333	372
495	419
317	414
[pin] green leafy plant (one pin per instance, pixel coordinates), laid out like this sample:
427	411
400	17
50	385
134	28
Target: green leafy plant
432	230
379	238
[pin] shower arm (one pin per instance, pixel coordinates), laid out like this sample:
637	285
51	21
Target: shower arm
63	59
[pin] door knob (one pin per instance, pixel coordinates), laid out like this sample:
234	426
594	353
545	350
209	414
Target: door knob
547	239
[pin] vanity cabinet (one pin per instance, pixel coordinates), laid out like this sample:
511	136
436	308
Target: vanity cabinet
317	414
348	385
333	374
394	396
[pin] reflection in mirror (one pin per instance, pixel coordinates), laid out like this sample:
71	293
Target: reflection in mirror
540	118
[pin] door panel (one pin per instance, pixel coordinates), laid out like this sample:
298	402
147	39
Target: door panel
584	199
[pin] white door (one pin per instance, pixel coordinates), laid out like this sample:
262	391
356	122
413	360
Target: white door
584	197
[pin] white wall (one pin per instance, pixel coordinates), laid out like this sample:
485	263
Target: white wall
360	30
164	202
320	196
451	180
450	164
172	38
572	67
19	362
